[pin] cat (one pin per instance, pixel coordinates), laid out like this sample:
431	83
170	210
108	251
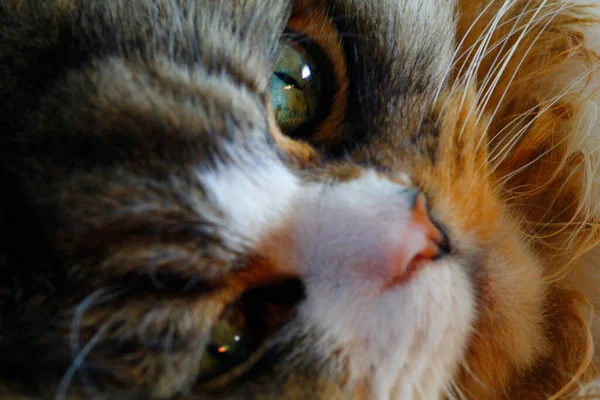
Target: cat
275	199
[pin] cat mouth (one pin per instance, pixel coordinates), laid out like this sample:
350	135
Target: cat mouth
432	253
413	267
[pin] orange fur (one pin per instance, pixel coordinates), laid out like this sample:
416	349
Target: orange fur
540	176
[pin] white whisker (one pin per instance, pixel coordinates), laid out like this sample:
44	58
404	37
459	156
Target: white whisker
78	361
511	80
495	161
471	74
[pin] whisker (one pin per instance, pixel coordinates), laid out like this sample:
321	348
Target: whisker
455	59
495	161
471	73
452	64
448	393
97	297
509	57
77	363
501	40
514	47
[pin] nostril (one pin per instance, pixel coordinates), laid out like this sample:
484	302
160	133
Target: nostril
420	215
444	243
424	240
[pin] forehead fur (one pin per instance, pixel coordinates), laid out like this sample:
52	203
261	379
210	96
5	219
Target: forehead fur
398	41
217	34
396	50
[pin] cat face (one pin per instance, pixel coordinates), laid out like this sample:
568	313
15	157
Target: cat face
270	199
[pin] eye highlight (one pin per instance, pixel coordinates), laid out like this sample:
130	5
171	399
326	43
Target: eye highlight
234	337
300	91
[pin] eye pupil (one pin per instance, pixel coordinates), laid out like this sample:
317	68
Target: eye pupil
288	80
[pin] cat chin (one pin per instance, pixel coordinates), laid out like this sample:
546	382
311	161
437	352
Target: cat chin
406	342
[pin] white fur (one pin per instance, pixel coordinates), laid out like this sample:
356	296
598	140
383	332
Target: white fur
404	341
253	196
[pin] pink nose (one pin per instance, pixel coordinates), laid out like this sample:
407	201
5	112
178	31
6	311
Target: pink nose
371	233
426	242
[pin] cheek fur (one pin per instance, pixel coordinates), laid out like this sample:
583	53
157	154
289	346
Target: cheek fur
509	334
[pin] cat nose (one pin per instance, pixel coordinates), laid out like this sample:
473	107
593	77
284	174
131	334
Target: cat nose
371	232
438	240
426	242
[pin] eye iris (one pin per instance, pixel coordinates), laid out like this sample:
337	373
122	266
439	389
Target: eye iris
231	343
296	89
238	338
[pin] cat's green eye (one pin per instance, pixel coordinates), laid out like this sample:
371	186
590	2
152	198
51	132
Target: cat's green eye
298	88
234	338
238	339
